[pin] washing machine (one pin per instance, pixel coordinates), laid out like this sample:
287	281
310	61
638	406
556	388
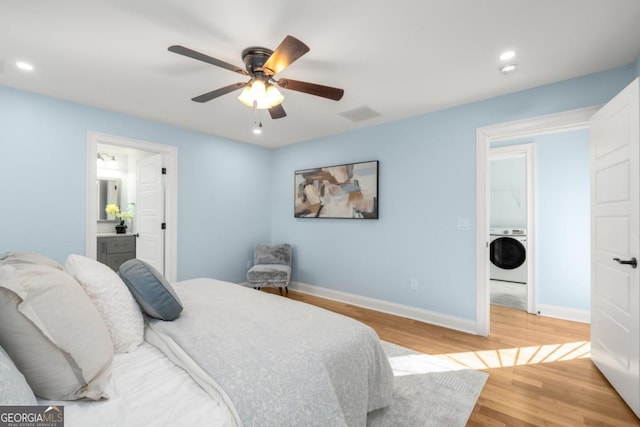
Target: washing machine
508	254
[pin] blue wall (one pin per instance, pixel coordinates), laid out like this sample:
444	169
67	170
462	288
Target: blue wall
563	218
42	177
427	182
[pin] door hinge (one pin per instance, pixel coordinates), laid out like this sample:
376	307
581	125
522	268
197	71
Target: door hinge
163	226
164	171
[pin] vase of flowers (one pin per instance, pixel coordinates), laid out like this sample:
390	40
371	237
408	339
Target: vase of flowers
113	210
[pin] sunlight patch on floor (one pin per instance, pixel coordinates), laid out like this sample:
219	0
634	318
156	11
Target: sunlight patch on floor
413	364
487	359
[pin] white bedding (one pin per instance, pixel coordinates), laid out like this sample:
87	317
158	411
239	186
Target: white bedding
147	389
281	362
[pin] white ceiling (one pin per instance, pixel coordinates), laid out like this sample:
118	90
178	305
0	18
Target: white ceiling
399	58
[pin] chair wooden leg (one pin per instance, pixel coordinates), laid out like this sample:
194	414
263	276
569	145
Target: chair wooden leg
286	290
280	289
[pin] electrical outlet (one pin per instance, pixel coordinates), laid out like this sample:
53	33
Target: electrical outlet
414	284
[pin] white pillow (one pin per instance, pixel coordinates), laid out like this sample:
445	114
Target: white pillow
54	333
111	296
13	258
14	389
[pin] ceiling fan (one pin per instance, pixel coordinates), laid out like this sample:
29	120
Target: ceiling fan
261	65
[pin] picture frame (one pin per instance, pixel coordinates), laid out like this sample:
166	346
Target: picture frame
348	191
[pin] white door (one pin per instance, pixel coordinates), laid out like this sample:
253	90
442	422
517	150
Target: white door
150	213
615	243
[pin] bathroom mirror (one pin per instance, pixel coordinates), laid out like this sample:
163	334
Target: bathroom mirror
108	193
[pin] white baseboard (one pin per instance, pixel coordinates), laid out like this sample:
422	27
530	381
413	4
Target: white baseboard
450	322
583	316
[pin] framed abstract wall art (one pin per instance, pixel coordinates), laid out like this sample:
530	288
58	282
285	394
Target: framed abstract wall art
342	191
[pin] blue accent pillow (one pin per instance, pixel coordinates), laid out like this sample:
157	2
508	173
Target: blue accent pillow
151	290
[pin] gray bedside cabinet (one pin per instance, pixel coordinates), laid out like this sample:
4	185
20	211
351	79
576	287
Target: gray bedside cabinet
114	250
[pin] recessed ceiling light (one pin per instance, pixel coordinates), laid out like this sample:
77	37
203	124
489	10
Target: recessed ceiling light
507	55
25	66
508	68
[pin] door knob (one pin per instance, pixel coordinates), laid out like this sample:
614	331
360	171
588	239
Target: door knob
632	262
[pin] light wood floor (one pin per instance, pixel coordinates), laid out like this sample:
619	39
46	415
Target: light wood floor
552	393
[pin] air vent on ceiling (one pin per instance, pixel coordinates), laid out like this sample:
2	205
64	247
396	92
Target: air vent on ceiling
360	114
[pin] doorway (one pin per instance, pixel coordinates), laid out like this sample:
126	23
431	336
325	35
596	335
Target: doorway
512	225
571	120
134	149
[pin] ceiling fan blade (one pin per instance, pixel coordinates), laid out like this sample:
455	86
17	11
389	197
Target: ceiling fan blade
312	88
285	54
181	50
218	92
277	112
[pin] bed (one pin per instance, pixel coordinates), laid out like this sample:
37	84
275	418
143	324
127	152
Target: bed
112	349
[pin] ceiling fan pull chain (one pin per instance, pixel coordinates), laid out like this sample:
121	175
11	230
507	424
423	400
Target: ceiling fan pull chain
257	126
255	112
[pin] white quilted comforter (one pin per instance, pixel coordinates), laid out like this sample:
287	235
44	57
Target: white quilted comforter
277	362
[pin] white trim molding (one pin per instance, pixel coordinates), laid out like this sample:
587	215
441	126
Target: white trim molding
450	322
573	314
565	121
170	159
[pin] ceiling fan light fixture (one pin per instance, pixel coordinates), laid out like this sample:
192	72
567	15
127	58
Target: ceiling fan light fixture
245	96
259	92
261	96
261	65
273	96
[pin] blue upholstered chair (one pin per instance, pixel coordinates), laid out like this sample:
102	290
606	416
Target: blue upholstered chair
271	267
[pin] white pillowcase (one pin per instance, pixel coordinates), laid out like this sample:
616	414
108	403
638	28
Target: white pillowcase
54	333
111	296
14	389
